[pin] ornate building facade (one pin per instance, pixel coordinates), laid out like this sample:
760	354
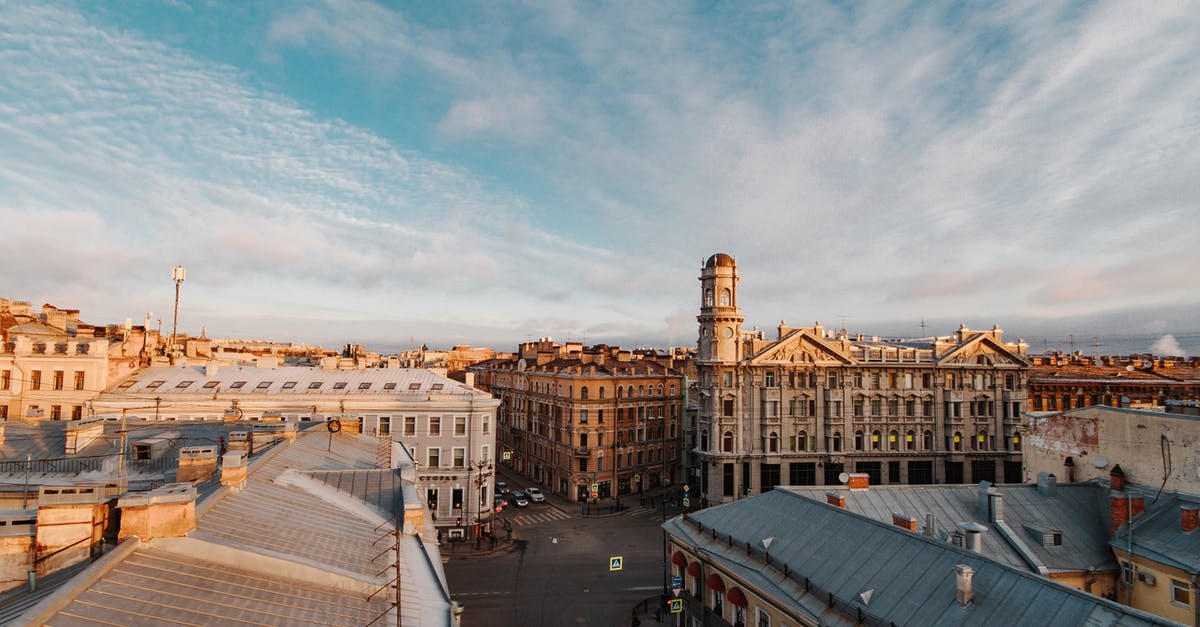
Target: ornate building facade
1061	382
812	404
573	418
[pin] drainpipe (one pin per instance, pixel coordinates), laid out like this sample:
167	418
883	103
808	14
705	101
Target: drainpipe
1129	547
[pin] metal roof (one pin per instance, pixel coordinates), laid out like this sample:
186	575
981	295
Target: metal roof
912	577
1075	510
176	381
1159	535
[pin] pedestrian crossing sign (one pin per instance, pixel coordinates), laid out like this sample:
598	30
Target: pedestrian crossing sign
676	606
614	562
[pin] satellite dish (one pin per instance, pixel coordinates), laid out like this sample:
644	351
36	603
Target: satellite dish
1100	461
844	477
1062	362
1129	368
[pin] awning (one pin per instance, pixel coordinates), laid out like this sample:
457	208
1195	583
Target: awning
678	559
694	569
737	597
716	583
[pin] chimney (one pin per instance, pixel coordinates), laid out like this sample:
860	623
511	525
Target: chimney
907	522
973	532
469	379
196	463
233	470
931	529
1123	508
1189	517
835	498
1116	478
995	507
168	511
211	368
859	481
1047	484
963	590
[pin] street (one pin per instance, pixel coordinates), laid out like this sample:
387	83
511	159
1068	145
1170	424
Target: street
558	571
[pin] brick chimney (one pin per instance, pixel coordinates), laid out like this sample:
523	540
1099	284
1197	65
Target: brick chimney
835	498
1116	478
234	470
859	481
907	522
196	463
1189	517
167	511
963	585
1123	508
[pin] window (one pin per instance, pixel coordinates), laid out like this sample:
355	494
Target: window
315	385
413	387
1126	574
456	499
434	457
410	425
128	384
727	379
340	385
236	385
153	385
893	441
208	385
385	425
3	412
435	387
910	441
460	456
876	407
77	412
365	385
263	385
583	393
583	417
727	407
56	412
431	499
858	380
773	443
390	385
485	453
5	379
78	379
487	424
858	407
435	425
726	297
183	384
770	379
460	426
837	441
58	379
1181	593
727	442
583	464
858	440
762	619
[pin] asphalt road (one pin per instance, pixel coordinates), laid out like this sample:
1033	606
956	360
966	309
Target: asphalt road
558	573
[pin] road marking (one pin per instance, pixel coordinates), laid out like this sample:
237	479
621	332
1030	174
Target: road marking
635	588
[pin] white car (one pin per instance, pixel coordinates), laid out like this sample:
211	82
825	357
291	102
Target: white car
535	495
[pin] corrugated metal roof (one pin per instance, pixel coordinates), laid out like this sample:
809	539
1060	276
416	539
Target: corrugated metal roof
912	576
289	380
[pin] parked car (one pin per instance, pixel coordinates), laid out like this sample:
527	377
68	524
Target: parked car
535	495
501	487
520	499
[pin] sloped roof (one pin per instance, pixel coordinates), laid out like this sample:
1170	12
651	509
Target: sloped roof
912	577
1158	534
1074	509
168	381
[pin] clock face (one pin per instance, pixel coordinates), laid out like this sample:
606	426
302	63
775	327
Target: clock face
727	332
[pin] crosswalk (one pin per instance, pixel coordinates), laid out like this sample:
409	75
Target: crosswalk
534	514
643	511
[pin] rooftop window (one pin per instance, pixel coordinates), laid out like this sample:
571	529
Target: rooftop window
364	386
264	385
127	384
340	385
315	385
211	384
154	384
184	384
289	385
414	386
436	386
389	386
237	384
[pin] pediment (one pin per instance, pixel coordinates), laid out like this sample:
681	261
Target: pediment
801	347
982	350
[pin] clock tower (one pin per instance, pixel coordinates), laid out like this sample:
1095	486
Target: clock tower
720	319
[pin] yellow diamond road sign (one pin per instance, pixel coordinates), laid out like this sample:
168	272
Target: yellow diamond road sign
614	562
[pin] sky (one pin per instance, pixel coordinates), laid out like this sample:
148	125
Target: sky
489	173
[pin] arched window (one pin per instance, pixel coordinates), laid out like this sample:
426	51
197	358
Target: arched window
773	443
875	443
629	391
958	445
981	440
802	441
583	392
858	440
641	391
727	442
1016	442
708	299
927	440
619	392
893	440
660	389
837	441
910	441
601	392
726	297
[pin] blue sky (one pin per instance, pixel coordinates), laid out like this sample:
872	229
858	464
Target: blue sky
491	172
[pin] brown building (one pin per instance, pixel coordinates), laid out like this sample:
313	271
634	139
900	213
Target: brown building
573	417
812	404
1060	382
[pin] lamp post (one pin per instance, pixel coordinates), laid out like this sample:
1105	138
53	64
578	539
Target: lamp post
177	275
480	479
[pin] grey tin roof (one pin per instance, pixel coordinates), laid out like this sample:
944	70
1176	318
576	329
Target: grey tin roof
912	577
1158	533
165	381
1074	509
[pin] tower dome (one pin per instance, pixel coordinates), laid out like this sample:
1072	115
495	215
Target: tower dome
720	260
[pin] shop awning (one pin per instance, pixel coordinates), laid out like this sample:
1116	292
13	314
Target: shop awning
737	597
694	569
678	559
716	583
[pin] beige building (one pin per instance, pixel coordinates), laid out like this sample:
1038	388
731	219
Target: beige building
1059	382
573	418
811	404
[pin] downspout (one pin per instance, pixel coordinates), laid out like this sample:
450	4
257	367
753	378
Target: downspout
1129	547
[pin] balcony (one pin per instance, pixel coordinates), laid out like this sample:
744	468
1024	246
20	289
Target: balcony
581	451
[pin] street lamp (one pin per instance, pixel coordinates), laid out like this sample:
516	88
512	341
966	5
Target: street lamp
177	275
479	467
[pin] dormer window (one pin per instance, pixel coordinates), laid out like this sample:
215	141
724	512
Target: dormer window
183	384
340	385
237	385
364	386
262	385
211	384
315	385
414	386
435	387
127	384
287	385
154	385
389	386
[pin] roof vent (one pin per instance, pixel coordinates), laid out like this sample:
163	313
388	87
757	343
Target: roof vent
1047	484
963	580
973	532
